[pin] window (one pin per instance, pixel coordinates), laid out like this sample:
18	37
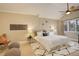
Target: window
77	22
71	25
65	25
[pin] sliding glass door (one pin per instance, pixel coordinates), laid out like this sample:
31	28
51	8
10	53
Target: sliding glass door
71	25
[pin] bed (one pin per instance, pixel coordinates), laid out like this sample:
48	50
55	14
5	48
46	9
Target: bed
52	41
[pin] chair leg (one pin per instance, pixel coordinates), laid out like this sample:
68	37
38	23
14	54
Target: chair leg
44	52
68	51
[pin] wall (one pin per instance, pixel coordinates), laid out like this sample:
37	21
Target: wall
46	24
68	17
33	22
8	18
60	29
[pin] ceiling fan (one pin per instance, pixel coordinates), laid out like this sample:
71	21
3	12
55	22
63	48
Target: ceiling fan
71	9
68	11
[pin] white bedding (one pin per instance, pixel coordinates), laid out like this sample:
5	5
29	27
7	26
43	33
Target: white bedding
52	41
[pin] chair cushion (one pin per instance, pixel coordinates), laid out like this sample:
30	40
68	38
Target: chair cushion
14	45
13	52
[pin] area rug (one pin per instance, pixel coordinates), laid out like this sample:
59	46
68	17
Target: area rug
39	50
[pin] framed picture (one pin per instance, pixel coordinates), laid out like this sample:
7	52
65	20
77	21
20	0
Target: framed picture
18	27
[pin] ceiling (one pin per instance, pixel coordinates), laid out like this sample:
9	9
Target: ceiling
47	10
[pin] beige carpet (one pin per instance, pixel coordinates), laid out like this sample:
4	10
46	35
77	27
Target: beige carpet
26	49
75	54
2	52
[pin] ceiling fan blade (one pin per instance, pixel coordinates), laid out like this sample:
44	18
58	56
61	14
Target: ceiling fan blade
67	11
61	11
75	10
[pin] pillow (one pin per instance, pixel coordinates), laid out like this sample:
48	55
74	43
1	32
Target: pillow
51	33
39	33
4	40
45	34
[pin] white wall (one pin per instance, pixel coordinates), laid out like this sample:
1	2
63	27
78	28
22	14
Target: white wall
60	27
6	19
33	22
46	26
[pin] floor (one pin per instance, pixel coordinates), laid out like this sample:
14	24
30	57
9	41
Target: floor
26	49
75	54
2	52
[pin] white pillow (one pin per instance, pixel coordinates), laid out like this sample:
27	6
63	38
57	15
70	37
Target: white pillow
51	33
40	33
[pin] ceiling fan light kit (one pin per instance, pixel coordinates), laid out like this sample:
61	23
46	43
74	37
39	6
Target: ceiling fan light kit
68	12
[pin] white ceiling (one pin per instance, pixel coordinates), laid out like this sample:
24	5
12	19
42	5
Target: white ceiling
47	10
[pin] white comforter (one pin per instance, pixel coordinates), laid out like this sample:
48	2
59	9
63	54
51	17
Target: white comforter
50	42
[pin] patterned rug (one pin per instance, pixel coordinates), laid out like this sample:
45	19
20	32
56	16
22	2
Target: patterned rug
41	51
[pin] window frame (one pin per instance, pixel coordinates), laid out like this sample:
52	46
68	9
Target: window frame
75	19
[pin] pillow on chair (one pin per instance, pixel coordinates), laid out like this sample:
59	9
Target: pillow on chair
4	40
14	45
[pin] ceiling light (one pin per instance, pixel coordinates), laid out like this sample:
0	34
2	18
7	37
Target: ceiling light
68	12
